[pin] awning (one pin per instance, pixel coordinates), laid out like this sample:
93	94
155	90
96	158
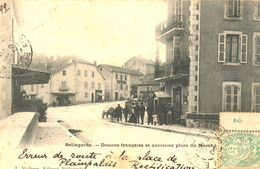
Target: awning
161	94
30	76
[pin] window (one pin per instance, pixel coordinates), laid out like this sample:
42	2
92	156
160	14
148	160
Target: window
256	49
32	88
85	85
178	11
196	78
125	77
197	27
42	85
93	74
233	9
121	77
257	11
176	48
197	37
116	76
79	72
64	72
86	95
92	85
195	88
99	85
195	98
231	96
121	87
126	87
86	73
256	97
232	47
196	68
63	84
197	7
197	17
196	47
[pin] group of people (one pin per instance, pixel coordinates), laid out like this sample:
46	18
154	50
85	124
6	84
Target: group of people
161	115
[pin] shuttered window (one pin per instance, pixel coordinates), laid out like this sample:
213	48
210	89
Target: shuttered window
232	48
256	48
231	96
233	8
256	97
257	10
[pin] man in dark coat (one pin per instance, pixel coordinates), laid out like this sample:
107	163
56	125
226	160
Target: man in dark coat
126	112
150	113
142	110
118	112
137	112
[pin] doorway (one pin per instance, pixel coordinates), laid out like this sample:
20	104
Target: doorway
177	103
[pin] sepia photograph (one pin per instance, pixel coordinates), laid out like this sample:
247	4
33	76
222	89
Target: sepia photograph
129	84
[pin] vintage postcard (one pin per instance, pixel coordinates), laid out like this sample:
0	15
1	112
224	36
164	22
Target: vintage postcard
129	84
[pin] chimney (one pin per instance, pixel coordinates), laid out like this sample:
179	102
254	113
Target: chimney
52	58
95	63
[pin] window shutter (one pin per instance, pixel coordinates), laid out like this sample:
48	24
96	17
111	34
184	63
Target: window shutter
230	9
254	99
257	49
238	8
244	49
221	47
238	98
258	9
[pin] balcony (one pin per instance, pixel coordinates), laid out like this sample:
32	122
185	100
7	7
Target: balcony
121	81
63	88
174	70
169	28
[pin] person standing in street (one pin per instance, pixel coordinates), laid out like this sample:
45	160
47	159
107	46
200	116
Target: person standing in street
150	113
142	110
126	112
137	112
118	112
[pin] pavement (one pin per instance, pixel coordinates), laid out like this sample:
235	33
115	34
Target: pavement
175	129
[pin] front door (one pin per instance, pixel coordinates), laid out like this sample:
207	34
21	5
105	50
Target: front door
177	103
92	97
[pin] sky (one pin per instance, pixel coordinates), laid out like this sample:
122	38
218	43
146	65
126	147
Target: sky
106	31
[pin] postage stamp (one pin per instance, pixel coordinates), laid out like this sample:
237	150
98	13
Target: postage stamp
239	141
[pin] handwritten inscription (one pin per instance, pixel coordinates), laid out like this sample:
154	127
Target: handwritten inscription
110	160
26	155
4	9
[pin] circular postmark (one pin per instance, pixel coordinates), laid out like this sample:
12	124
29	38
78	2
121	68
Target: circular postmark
24	52
202	151
16	51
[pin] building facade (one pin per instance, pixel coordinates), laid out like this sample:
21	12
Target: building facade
118	81
72	81
221	40
145	66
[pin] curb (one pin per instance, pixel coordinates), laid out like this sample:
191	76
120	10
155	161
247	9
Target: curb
166	130
71	135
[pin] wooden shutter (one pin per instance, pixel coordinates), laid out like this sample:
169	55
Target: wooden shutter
238	5
244	49
238	98
230	8
221	47
257	49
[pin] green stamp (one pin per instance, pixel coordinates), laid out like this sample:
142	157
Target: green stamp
240	149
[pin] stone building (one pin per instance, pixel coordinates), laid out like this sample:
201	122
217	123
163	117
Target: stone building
73	80
145	66
119	81
212	60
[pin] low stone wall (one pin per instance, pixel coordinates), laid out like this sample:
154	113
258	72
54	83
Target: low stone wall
203	120
18	130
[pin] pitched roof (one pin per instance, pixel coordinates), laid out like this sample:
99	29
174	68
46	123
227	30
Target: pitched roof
146	61
61	63
148	79
122	70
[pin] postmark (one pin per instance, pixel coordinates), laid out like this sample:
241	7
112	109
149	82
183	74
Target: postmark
202	150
